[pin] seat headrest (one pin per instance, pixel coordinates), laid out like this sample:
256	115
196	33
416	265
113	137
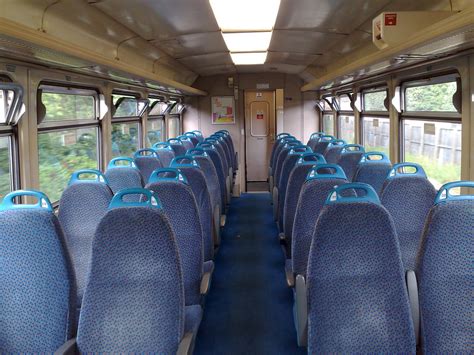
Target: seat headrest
444	193
326	171
374	157
184	161
87	175
167	174
337	196
311	159
145	152
148	199
403	170
121	162
42	201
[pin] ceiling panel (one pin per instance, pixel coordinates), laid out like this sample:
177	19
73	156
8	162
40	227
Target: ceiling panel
291	58
206	60
217	69
161	19
193	44
327	15
308	42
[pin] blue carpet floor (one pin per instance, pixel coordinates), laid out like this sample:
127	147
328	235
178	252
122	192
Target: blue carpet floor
249	307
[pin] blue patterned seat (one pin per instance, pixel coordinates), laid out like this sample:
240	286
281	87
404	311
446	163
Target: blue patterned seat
177	146
191	169
81	207
408	196
221	138
444	271
212	182
230	143
199	135
134	301
357	297
122	173
211	150
277	147
314	138
293	156
164	152
37	292
321	145
350	156
320	180
219	145
295	182
147	161
187	142
373	169
334	150
193	137
179	204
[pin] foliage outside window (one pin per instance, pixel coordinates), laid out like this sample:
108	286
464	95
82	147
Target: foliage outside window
375	125
154	131
374	101
71	146
432	129
5	166
125	139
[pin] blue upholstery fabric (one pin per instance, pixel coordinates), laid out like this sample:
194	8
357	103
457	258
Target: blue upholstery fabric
37	295
312	197
295	183
279	164
286	169
221	152
348	161
373	173
226	150
187	143
320	146
81	207
212	180
445	278
409	200
181	208
357	297
232	151
216	159
197	181
134	301
278	148
165	156
193	317
312	143
179	149
122	178
147	164
333	153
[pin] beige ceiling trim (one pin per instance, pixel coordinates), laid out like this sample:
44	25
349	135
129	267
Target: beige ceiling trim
357	60
40	38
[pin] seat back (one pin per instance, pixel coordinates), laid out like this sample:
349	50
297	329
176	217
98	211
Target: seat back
122	173
288	164
177	146
357	296
164	152
147	161
408	196
199	135
193	137
134	300
211	150
179	204
37	294
81	207
349	158
279	144
187	142
373	169
220	149
220	137
278	140
191	169
295	181
444	270
333	150
321	145
281	158
320	180
314	138
230	144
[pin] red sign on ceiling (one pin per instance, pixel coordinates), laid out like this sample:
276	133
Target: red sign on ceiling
390	19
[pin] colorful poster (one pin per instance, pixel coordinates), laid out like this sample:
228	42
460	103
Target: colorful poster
223	110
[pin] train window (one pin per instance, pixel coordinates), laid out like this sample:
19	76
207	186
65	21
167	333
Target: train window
6	177
375	127
126	125
328	121
156	121
432	128
6	99
68	135
345	119
174	126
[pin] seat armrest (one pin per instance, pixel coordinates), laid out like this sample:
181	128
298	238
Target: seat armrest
290	276
412	289
301	300
205	283
68	348
184	347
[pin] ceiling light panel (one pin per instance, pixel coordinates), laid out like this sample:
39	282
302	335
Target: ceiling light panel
245	15
247	41
249	58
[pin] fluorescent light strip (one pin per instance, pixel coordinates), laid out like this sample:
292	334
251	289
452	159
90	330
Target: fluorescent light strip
247	41
253	58
245	15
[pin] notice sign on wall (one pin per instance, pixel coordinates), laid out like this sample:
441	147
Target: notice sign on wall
223	110
260	115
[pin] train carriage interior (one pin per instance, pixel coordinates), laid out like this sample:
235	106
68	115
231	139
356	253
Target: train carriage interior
236	176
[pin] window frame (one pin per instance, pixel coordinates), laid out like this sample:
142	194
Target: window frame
330	101
373	114
425	116
341	112
161	117
63	125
